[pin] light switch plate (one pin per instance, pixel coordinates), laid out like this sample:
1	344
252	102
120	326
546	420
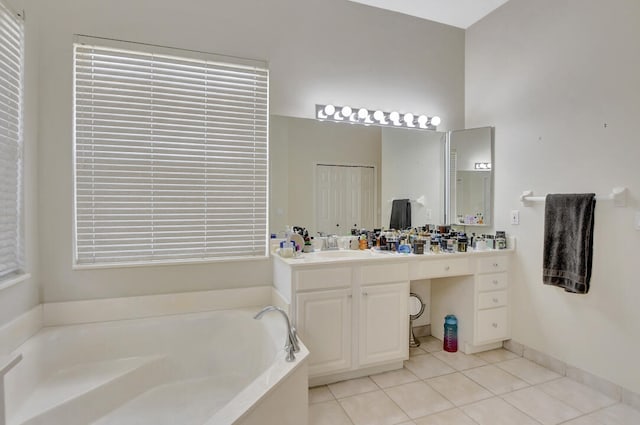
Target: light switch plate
515	217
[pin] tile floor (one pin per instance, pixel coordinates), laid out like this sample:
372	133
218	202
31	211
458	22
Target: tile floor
439	388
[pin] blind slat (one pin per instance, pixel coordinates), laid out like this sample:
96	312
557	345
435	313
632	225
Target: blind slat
171	157
11	93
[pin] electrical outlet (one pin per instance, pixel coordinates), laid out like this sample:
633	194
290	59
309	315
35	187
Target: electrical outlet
515	217
428	214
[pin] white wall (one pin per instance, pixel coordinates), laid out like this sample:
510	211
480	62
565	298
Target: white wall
411	168
319	52
549	74
21	297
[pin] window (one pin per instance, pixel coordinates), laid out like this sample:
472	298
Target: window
171	155
11	71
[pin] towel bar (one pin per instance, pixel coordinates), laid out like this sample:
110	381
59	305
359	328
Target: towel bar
618	195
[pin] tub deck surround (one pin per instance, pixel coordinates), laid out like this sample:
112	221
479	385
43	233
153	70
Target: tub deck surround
220	367
351	307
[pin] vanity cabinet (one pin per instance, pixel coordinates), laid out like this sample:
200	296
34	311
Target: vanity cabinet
352	317
480	301
323	321
352	311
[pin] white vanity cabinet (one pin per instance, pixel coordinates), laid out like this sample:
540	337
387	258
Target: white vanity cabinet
479	300
323	320
351	308
351	317
383	319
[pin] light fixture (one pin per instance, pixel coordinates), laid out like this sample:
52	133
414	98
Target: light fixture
482	166
375	117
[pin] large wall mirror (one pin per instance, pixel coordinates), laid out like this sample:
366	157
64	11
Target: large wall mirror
332	177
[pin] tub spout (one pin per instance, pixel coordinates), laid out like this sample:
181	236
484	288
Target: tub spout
291	344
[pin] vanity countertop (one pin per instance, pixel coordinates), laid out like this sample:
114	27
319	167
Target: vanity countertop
372	256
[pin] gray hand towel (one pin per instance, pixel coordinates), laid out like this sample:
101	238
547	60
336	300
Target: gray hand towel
400	214
568	241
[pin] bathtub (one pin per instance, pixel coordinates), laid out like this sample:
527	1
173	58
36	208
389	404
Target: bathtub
213	368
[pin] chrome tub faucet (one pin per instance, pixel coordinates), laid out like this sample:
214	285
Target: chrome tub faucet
291	344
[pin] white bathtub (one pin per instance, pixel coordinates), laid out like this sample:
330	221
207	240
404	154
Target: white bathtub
220	367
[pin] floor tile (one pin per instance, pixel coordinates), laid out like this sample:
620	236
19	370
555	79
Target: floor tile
495	411
459	360
430	344
374	408
418	399
328	413
618	414
352	387
495	380
576	395
541	406
427	366
528	371
320	394
498	355
459	389
416	352
393	378
448	417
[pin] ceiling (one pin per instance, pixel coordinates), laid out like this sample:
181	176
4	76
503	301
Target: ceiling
458	13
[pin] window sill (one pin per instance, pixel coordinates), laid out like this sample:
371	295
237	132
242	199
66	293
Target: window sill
4	284
166	263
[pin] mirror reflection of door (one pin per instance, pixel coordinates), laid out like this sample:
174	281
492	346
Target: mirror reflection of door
345	198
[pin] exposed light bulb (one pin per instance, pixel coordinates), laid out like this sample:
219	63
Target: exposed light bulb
408	118
422	121
394	116
435	121
363	113
378	116
346	111
329	110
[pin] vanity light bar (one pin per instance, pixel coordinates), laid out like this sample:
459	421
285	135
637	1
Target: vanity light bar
365	116
483	166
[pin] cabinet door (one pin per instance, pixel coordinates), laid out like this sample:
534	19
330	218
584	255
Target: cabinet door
384	323
323	320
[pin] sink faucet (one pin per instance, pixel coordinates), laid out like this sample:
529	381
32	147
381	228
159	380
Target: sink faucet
291	344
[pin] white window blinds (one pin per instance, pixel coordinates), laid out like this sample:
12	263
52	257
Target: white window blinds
11	71
171	155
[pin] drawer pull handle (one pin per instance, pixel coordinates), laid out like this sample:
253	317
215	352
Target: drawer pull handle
447	268
365	294
495	281
349	296
495	264
495	300
495	325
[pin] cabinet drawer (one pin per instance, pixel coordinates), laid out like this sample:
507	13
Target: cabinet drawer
492	299
441	268
383	273
492	325
492	282
325	278
492	264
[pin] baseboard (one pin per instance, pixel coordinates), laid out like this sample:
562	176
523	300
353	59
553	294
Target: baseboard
101	310
599	384
17	331
424	330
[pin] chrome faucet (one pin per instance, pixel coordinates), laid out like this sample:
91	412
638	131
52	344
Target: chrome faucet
291	344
